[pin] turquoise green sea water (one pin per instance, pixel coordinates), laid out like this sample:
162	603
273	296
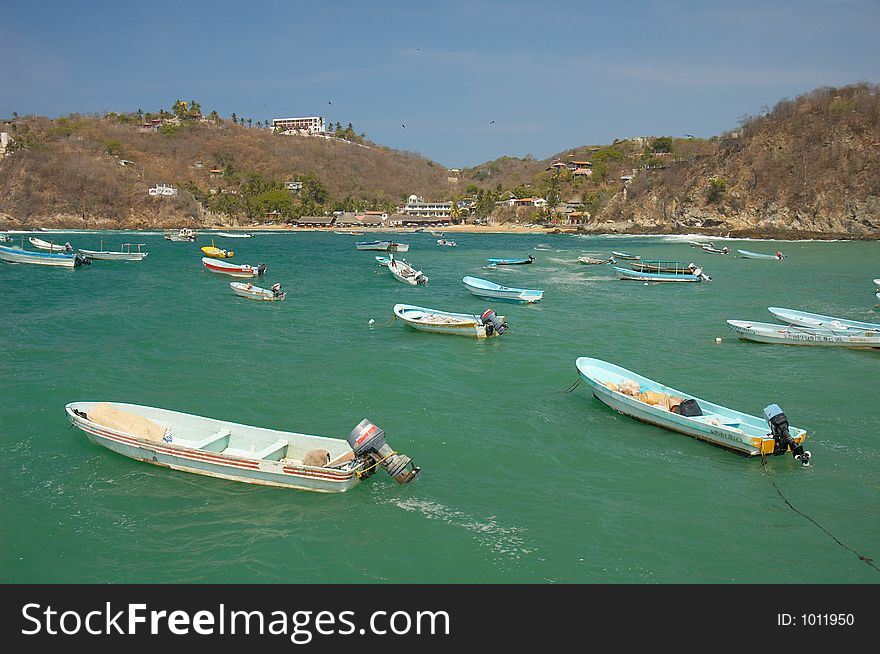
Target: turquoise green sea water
521	481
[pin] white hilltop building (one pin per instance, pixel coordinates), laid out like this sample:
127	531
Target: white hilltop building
306	124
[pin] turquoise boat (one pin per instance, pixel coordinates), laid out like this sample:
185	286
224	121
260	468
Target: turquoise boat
746	254
491	291
806	319
649	401
638	276
511	262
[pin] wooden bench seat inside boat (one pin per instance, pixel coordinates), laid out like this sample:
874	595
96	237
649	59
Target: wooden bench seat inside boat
273	452
216	442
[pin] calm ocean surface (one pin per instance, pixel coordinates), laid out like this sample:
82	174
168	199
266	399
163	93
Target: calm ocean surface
521	481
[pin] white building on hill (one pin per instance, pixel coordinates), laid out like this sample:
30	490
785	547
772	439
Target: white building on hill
310	124
416	206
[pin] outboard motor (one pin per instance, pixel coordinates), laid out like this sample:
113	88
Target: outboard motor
368	443
492	323
80	260
261	268
699	273
782	436
421	279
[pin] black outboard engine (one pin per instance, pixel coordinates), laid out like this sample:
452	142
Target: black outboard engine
368	443
421	279
80	260
261	268
782	436
492	323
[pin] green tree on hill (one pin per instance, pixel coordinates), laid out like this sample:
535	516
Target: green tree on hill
661	144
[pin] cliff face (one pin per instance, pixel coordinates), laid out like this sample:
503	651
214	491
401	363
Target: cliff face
811	166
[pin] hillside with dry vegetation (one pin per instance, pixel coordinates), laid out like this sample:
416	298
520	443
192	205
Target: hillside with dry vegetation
89	171
808	167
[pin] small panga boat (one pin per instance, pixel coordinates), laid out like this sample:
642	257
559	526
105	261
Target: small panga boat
445	322
713	250
626	255
762	332
806	319
234	235
746	254
49	247
228	450
5	238
243	270
65	259
248	290
592	261
184	234
443	241
217	253
676	267
125	254
403	272
696	275
511	262
649	401
490	290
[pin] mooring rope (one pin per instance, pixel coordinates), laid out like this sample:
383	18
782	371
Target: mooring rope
865	559
383	324
574	386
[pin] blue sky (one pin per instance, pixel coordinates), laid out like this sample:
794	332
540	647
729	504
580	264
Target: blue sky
552	75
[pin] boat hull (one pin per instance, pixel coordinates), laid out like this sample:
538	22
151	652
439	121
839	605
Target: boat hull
255	293
634	275
13	255
223	268
736	431
806	319
745	254
490	291
284	474
47	246
626	255
114	256
782	335
421	318
511	262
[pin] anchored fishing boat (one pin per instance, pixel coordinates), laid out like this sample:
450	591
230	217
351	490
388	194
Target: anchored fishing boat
649	401
592	261
746	254
626	255
491	291
444	322
348	232
806	319
49	247
385	246
713	250
763	332
443	241
696	275
403	272
5	238
184	234
248	290
125	254
235	235
675	267
228	450
510	262
244	270
66	260
217	253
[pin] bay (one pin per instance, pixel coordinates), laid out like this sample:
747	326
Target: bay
521	481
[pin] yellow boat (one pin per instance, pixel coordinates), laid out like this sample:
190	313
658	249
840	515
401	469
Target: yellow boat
217	253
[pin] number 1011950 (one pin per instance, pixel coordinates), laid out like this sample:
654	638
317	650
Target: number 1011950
815	619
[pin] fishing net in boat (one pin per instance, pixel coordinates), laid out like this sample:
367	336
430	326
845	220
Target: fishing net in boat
118	420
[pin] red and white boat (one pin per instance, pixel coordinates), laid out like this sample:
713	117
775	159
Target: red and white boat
236	270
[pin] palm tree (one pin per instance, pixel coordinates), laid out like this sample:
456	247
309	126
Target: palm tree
250	120
234	118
